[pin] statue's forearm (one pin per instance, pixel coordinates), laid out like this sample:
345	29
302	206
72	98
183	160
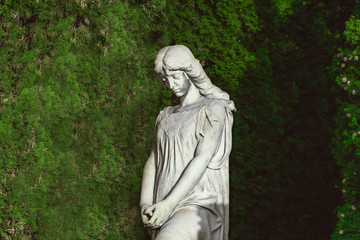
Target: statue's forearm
195	168
147	189
188	179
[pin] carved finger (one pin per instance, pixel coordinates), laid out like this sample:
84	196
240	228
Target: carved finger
145	219
158	222
154	226
152	220
149	211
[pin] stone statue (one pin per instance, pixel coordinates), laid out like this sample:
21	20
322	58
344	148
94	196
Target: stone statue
185	187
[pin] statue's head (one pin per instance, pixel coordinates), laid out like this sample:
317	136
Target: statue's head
179	57
179	61
170	66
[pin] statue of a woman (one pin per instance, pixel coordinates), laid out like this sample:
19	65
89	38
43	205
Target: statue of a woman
185	187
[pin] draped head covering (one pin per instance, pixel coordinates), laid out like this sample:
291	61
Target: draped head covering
179	57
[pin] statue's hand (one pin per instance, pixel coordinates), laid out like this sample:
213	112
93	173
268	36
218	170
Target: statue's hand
145	217
160	212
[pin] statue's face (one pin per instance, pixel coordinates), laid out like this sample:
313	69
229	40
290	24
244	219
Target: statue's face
176	81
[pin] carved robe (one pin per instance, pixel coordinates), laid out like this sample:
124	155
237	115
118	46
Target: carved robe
206	208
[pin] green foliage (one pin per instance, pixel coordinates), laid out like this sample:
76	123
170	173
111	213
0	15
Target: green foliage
347	66
352	31
72	74
284	7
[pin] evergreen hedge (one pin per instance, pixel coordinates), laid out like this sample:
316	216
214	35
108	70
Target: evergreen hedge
76	81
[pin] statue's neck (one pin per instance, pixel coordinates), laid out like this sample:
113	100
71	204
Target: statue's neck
192	96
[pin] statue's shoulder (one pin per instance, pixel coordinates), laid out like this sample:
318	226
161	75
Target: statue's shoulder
216	105
215	110
163	112
166	109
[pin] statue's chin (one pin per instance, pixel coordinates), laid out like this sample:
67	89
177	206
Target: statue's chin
178	94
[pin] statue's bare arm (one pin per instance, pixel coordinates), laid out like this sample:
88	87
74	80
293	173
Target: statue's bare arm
147	189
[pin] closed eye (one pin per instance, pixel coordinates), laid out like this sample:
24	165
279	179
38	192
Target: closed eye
176	76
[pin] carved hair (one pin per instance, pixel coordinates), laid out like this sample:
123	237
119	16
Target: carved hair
179	57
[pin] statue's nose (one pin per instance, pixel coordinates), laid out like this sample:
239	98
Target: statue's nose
171	83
